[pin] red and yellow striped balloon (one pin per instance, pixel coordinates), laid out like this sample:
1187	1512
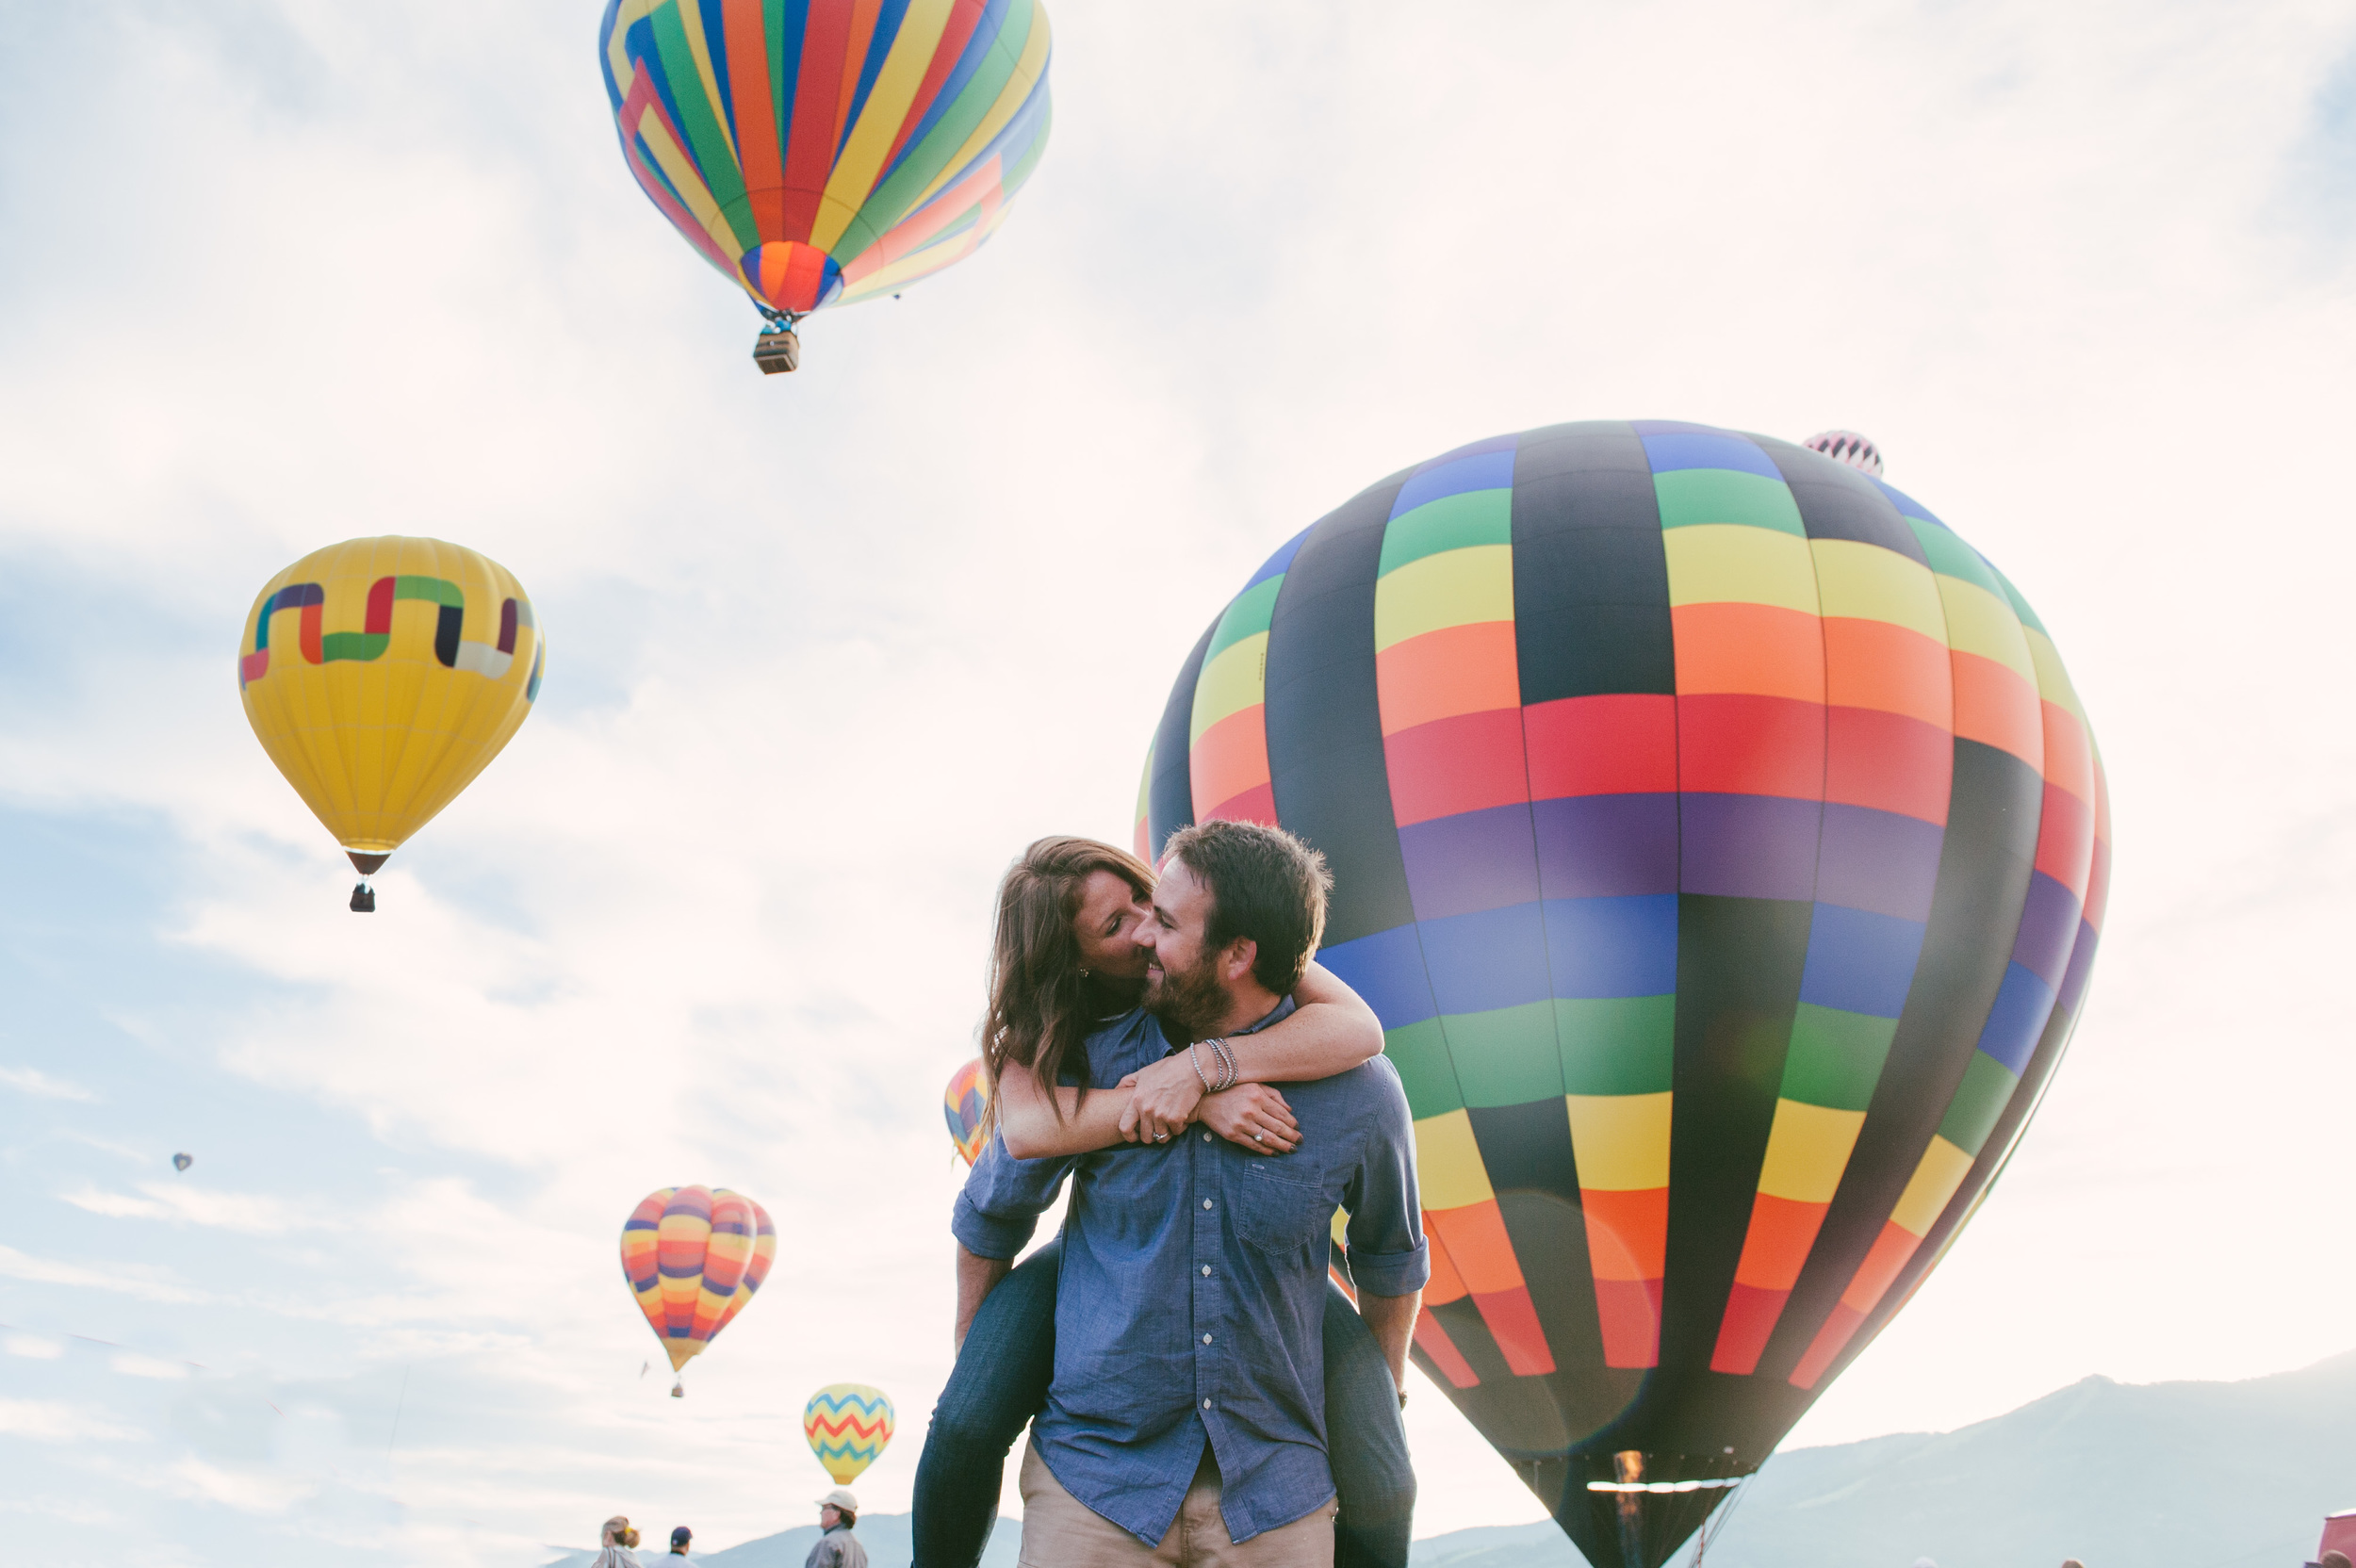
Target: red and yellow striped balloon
694	1257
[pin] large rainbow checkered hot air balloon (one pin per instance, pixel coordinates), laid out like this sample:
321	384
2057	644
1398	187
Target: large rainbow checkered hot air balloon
827	151
848	1426
1724	848
694	1256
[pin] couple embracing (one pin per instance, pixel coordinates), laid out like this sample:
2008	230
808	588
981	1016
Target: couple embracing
1197	1391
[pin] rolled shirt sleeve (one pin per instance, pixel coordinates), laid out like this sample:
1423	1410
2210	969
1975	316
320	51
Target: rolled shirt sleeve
1388	1255
997	1210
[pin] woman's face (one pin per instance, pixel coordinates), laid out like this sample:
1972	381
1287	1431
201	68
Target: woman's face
1106	926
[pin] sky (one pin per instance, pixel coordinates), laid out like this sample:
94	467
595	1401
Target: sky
825	650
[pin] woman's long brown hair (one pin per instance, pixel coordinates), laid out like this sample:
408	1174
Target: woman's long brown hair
1042	1006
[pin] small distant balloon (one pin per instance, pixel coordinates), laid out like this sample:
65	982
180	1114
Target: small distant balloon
966	1104
848	1426
182	1162
1847	445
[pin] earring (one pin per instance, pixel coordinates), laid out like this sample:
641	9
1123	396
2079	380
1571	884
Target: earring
1084	974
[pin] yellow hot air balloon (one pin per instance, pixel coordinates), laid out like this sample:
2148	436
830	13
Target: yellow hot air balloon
382	675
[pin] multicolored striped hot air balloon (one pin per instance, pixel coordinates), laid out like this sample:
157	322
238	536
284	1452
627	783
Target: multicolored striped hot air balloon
1724	849
848	1426
966	1104
381	675
824	152
694	1256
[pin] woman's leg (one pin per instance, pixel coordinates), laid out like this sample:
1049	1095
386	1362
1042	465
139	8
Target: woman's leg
1368	1443
998	1384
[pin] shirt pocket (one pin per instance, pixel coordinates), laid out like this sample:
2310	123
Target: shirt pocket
1282	1214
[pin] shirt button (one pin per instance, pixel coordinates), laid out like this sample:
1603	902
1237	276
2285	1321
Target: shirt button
1206	1137
1206	1202
1206	1404
1206	1339
1206	1270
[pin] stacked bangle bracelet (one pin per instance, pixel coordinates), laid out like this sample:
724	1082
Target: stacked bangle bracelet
1224	1058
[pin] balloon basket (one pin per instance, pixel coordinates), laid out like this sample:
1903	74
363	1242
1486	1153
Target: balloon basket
678	1388
367	865
777	351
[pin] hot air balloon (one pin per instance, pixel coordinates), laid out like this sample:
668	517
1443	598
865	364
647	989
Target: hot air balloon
380	675
848	1426
966	1104
830	151
1847	445
182	1162
1723	848
694	1256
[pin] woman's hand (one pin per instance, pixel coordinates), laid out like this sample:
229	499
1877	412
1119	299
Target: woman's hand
1162	1100
1252	1116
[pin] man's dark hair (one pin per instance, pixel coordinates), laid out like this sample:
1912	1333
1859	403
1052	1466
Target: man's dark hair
850	1519
1265	884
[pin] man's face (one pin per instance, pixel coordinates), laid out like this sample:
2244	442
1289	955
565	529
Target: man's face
828	1516
1184	986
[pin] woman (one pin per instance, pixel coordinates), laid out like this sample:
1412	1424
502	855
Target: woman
1064	960
616	1542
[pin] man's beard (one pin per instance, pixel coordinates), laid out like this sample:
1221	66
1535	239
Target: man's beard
1190	1003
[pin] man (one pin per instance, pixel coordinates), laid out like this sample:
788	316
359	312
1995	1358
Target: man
1184	1421
679	1538
836	1546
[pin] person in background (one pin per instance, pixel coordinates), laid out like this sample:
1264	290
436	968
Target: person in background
679	1538
613	1545
836	1547
2073	1562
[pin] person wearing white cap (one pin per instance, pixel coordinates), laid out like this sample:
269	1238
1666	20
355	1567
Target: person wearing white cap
836	1547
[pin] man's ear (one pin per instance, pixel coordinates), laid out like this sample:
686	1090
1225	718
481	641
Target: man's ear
1237	960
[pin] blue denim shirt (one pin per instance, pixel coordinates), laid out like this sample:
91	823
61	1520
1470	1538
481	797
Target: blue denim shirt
1192	1299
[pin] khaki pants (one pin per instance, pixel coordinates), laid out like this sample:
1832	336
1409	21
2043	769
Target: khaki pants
1060	1531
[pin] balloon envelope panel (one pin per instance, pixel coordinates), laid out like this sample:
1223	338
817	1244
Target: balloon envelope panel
848	1426
382	675
1723	848
824	152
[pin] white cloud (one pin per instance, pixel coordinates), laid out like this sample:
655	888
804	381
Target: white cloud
126	1278
131	1363
32	1080
50	1422
247	1490
254	1213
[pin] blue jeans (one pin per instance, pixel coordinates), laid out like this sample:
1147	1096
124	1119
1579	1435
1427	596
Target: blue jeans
1001	1380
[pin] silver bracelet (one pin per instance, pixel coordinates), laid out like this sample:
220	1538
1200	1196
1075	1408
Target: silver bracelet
1227	1060
1197	1060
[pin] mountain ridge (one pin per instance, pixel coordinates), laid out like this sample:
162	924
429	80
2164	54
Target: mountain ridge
2171	1475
